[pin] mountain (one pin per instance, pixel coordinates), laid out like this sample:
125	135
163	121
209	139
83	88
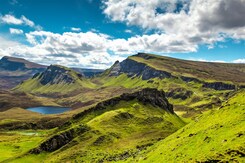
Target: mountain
14	70
149	66
55	79
193	87
114	129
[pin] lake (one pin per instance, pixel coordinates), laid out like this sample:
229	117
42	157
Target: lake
49	109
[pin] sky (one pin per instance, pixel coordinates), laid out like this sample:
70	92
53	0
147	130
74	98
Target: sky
94	34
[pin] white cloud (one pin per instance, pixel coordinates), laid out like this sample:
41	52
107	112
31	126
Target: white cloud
12	20
181	25
239	60
15	31
128	31
194	21
92	49
75	29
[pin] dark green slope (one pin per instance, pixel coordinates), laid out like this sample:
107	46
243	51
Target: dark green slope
115	129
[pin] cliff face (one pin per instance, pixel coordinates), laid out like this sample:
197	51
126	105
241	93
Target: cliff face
133	68
219	86
147	96
55	75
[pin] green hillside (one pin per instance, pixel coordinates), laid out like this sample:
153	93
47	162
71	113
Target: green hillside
113	130
64	81
201	70
217	136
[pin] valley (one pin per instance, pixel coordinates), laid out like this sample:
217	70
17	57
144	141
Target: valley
147	108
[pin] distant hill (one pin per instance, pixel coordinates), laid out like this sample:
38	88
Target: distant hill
55	79
14	70
14	64
88	72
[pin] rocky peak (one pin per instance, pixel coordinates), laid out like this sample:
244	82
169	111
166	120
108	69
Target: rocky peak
133	68
55	74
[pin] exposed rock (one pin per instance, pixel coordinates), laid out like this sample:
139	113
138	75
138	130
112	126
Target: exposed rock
134	68
189	79
219	86
56	74
59	140
179	93
148	95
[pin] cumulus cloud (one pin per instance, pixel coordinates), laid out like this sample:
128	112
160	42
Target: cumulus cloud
92	49
199	21
181	25
12	20
15	31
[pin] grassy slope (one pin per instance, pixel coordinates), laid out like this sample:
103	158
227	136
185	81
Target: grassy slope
34	86
201	70
125	127
217	135
196	102
15	143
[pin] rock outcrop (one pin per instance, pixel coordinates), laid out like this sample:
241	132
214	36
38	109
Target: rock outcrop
133	68
59	140
179	93
55	75
147	96
219	86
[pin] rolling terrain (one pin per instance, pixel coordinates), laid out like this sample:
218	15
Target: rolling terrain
114	129
146	108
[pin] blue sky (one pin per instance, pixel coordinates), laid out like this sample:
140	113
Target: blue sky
94	34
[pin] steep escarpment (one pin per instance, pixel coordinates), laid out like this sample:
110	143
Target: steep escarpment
219	86
133	68
55	79
55	74
228	72
148	95
146	66
57	141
